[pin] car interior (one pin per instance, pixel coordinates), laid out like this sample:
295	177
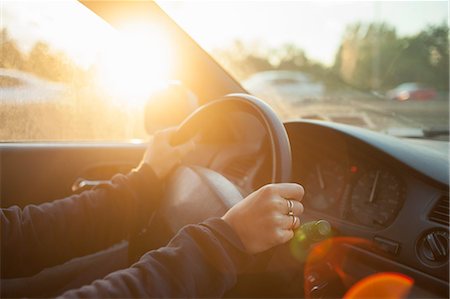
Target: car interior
243	144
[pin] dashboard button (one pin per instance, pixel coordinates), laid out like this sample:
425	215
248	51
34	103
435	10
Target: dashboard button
386	245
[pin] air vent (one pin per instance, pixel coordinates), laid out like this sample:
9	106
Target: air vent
439	213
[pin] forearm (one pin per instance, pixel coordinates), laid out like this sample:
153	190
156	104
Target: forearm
51	233
200	261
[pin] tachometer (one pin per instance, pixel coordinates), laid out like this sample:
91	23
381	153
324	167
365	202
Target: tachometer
324	185
376	198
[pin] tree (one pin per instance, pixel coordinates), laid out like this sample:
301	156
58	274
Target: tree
11	56
373	57
241	59
291	57
423	58
365	52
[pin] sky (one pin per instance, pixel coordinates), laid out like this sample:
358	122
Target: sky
317	26
66	25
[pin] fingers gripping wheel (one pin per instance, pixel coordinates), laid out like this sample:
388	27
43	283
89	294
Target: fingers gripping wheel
276	133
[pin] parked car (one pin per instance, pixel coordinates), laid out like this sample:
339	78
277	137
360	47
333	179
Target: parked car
412	91
293	85
23	87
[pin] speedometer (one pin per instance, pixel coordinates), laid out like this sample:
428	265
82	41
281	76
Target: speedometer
324	185
376	198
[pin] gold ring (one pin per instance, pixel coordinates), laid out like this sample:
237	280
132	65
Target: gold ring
294	221
290	207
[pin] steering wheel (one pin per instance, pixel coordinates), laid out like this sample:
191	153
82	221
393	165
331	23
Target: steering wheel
191	187
195	193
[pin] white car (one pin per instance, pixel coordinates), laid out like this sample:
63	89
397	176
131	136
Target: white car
22	87
294	85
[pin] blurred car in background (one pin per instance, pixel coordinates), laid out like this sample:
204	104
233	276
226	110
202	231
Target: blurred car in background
22	87
412	91
293	85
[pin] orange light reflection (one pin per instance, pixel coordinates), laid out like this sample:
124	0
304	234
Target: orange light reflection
333	252
331	255
381	285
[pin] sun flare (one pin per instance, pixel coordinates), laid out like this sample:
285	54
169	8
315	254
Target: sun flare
135	64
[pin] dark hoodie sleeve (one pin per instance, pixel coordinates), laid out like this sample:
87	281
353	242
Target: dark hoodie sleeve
200	261
45	235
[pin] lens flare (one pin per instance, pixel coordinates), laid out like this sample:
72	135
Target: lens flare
333	253
381	285
325	261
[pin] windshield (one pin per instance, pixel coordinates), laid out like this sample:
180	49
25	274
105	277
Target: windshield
378	65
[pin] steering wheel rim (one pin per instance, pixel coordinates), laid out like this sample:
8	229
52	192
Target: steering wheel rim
279	141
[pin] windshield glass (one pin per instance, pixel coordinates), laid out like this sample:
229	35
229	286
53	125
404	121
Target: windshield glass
378	65
63	79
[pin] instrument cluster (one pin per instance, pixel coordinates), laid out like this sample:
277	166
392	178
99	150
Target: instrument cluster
366	194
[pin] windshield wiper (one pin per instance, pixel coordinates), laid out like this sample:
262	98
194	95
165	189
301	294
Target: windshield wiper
418	132
435	132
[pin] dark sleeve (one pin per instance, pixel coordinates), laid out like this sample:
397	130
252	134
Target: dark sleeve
200	261
45	235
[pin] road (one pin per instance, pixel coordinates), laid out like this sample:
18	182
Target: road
366	110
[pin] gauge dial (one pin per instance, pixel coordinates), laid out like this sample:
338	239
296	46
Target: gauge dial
324	185
376	198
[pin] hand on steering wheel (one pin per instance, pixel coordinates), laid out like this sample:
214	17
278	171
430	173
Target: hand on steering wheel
162	156
267	217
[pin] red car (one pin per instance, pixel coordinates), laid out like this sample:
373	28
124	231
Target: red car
412	91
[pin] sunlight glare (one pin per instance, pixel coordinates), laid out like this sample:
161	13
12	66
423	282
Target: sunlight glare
135	64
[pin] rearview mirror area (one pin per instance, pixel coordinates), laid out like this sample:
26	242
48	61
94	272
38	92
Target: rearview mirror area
169	106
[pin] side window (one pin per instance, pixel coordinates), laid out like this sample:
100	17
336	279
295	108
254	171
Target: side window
66	80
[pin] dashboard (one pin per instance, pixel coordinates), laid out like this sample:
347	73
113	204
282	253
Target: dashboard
386	197
375	187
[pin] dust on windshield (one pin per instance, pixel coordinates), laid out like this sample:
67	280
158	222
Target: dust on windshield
378	65
66	80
